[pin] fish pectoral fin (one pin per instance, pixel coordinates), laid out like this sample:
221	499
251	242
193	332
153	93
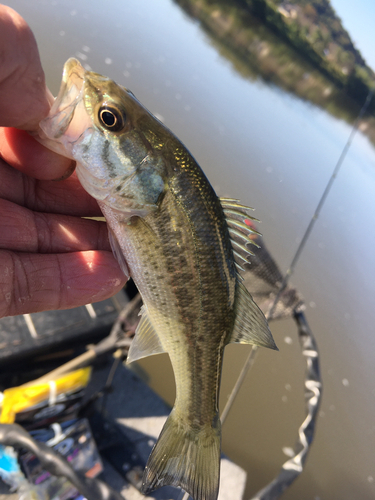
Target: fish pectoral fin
146	341
117	252
250	325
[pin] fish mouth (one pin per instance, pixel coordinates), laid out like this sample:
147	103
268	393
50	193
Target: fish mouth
70	93
54	132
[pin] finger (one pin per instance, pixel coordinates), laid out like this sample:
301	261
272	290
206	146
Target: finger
64	197
24	153
33	282
24	99
26	231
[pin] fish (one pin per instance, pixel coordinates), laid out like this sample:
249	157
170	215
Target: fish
184	247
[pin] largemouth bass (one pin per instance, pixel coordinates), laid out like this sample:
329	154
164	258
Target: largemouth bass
184	248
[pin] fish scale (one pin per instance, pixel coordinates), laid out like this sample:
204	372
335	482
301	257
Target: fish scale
178	240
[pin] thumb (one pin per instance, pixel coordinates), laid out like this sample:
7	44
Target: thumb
24	98
24	101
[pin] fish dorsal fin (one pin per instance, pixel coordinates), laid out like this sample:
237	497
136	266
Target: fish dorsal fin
241	230
146	341
250	325
117	252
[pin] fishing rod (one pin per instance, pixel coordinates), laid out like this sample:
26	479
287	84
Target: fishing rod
250	360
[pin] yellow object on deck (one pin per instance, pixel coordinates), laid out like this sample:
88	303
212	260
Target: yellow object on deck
17	399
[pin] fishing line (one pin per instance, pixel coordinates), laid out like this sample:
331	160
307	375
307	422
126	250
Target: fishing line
321	202
250	360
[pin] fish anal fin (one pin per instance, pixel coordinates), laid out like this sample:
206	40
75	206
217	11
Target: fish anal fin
146	341
117	252
250	326
187	458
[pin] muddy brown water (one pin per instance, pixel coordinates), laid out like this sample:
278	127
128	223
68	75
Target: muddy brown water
275	152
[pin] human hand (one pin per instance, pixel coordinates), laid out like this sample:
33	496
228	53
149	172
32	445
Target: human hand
50	258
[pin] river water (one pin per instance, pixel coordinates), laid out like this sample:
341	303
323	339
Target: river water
275	152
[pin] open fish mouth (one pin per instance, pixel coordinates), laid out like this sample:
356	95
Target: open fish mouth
70	94
59	129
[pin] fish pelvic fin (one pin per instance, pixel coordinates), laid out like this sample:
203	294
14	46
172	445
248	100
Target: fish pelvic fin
250	326
186	457
146	341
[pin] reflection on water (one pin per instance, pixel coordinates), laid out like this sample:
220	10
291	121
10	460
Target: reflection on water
275	151
256	52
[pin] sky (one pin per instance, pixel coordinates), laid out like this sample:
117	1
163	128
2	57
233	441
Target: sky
358	18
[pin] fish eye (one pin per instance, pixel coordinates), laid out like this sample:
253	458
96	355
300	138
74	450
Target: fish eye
111	118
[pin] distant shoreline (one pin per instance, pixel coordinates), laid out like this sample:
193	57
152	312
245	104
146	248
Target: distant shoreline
256	51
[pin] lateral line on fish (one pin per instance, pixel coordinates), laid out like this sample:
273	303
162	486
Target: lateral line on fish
196	258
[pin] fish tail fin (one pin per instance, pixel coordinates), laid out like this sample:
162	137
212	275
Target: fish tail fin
185	457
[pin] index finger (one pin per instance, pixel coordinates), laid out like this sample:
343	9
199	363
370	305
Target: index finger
64	197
